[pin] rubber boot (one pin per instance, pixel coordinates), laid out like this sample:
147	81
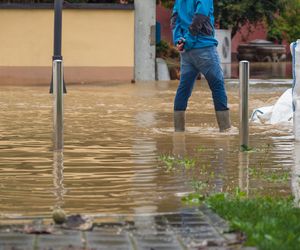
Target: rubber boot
179	121
223	120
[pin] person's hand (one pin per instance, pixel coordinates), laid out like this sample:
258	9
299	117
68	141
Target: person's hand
180	45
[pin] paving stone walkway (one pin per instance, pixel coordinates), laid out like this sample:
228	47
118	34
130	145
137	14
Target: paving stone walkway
187	229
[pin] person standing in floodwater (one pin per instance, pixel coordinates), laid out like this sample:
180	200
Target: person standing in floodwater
194	36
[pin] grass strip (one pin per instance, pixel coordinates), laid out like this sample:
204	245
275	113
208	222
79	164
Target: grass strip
269	223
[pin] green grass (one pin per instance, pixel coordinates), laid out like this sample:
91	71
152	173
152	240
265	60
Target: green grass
172	163
269	223
245	148
201	149
270	176
169	162
199	186
193	199
264	148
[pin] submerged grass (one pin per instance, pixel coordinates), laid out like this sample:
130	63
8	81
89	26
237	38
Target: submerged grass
270	176
172	163
201	149
264	148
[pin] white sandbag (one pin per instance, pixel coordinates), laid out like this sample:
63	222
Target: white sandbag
295	49
281	112
162	71
283	108
262	115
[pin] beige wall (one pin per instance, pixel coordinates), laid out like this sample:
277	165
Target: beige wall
91	39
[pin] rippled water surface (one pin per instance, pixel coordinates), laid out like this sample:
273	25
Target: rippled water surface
115	135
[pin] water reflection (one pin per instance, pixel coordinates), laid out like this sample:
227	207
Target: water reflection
114	137
244	172
220	165
179	145
279	70
144	150
58	178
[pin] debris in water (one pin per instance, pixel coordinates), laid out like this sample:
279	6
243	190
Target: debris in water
37	227
59	216
78	222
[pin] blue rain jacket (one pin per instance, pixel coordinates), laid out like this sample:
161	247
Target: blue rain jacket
193	20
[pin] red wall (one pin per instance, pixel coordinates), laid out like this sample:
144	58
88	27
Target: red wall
163	16
247	34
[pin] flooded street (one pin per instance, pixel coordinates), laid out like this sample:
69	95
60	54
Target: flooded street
262	70
116	137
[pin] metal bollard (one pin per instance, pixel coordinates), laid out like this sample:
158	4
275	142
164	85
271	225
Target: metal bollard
244	95
58	111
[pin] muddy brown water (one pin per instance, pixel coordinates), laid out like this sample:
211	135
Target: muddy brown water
261	70
114	137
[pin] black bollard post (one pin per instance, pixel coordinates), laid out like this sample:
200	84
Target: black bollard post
58	5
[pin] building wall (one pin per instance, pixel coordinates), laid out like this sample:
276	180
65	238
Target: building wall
145	40
249	33
163	16
97	45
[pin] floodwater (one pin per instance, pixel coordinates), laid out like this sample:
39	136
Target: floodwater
115	137
261	70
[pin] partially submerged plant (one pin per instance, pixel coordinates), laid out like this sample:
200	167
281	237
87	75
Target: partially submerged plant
193	199
187	163
270	176
265	148
199	186
201	149
245	148
171	163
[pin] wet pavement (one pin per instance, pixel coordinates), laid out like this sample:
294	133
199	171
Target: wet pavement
189	229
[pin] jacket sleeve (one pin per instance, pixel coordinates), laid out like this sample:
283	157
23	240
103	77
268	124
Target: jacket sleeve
175	25
201	24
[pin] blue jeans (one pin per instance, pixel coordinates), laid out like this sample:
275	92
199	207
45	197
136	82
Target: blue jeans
205	61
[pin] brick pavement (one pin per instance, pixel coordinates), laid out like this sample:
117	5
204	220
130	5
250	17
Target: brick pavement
188	229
